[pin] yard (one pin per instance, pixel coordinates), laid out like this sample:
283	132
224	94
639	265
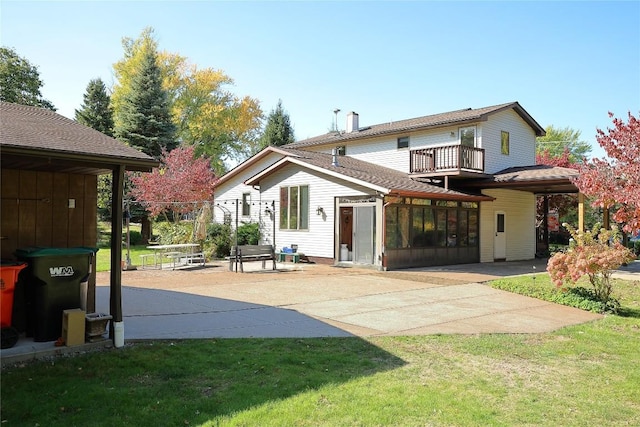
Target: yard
582	375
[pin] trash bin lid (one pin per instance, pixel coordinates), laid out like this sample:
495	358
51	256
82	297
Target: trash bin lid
34	251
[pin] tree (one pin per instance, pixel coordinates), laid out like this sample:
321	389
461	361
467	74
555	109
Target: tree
278	130
557	140
182	184
20	81
219	124
615	183
97	114
96	111
145	120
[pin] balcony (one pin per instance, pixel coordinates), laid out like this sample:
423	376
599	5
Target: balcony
447	160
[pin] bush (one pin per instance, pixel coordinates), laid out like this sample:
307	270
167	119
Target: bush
249	234
219	237
170	233
135	237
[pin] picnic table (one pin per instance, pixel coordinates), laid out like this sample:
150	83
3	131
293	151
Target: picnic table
176	255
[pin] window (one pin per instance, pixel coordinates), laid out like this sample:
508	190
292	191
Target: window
468	136
424	223
504	142
246	204
342	150
294	207
403	142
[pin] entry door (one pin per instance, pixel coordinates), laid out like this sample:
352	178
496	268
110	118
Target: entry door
500	240
364	234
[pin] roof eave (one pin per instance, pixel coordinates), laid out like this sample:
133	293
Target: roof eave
100	161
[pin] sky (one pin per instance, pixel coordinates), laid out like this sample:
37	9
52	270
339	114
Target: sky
567	63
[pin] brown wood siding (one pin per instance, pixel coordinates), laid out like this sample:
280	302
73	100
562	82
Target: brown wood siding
35	210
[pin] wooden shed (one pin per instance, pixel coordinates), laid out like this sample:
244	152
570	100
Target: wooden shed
50	167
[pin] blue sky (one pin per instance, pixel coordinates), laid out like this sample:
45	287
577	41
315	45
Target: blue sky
567	63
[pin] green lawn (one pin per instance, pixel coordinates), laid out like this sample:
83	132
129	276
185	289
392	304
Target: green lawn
103	257
581	375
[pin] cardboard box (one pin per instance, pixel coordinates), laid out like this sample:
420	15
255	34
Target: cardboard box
73	326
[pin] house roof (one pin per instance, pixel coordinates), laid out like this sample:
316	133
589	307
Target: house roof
540	179
458	117
40	139
379	178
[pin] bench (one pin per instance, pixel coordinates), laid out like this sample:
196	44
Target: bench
242	253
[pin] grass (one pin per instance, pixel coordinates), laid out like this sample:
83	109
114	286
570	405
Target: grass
581	375
103	257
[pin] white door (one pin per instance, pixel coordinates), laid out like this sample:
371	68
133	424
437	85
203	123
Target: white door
364	234
500	240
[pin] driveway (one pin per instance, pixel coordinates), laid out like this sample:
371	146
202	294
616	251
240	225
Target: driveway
308	300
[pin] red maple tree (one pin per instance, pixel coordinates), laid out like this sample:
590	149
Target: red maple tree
182	184
614	182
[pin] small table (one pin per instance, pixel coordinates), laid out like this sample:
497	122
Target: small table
295	256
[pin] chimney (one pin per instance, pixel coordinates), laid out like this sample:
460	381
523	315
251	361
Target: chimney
352	122
334	157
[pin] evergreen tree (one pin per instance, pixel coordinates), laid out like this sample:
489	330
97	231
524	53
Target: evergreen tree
278	130
96	110
145	116
20	81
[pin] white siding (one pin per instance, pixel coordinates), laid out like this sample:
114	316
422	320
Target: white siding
522	141
228	197
384	151
519	208
319	239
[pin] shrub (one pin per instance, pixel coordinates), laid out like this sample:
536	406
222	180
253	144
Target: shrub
594	253
249	233
219	236
173	233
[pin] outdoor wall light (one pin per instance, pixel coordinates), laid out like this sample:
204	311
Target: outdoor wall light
267	211
319	211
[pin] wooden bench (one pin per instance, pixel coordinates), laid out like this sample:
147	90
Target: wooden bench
242	253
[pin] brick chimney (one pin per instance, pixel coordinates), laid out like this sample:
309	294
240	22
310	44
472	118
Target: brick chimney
352	122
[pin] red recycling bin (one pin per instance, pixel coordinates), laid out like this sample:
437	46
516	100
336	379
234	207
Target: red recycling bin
9	271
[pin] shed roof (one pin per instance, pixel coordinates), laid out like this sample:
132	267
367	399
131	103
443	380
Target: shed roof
40	139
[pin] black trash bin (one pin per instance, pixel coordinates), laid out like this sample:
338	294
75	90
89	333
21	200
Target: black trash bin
52	284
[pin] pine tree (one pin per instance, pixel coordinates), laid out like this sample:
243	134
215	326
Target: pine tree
96	110
278	130
145	116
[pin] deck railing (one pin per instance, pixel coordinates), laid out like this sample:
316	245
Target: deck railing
449	158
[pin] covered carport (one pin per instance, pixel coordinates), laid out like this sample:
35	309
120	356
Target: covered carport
543	181
50	167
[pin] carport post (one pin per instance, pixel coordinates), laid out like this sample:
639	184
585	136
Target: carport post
116	331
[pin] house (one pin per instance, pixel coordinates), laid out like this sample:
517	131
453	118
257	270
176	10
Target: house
449	188
50	166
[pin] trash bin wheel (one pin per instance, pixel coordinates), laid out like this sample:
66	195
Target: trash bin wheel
10	337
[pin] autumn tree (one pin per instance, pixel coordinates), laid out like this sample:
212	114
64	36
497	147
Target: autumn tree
207	115
20	81
182	184
145	118
614	182
558	140
278	130
96	111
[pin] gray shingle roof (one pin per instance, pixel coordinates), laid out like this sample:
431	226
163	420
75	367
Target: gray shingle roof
39	130
420	123
395	181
